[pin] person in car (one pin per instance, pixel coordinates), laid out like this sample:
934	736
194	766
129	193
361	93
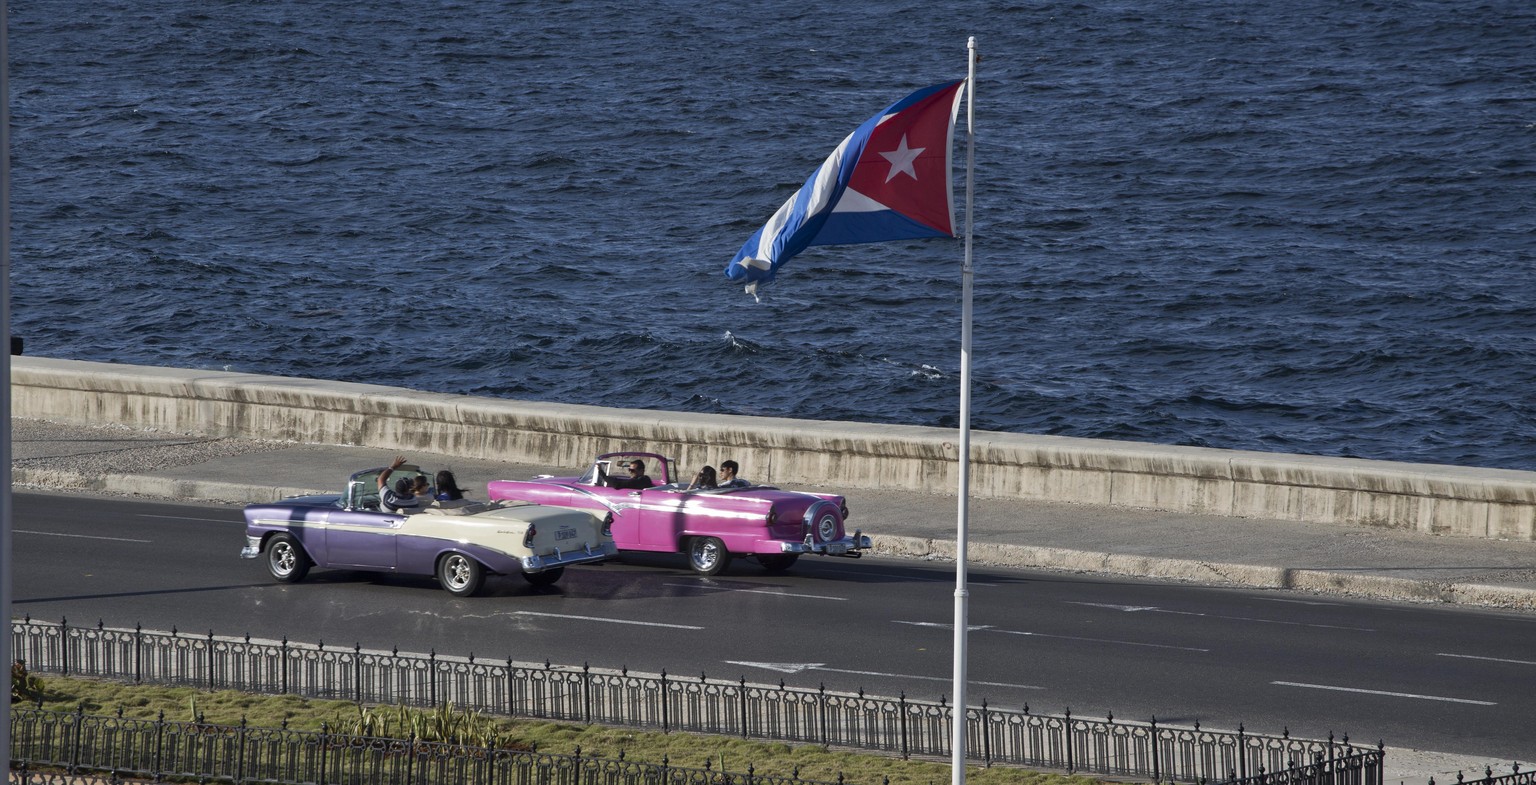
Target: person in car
704	479
448	487
402	497
637	479
728	478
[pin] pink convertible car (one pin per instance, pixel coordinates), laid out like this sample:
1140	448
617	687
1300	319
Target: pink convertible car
710	526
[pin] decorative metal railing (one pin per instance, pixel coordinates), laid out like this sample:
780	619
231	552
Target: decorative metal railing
1359	768
1515	777
76	743
697	705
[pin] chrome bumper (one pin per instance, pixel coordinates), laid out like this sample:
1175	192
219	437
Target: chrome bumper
252	548
847	546
587	555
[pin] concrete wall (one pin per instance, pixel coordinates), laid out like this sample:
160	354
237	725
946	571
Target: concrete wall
1433	499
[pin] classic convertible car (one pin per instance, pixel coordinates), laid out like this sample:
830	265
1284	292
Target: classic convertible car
710	526
459	545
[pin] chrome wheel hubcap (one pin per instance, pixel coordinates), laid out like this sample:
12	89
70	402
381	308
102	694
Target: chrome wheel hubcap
283	558
826	528
705	555
457	572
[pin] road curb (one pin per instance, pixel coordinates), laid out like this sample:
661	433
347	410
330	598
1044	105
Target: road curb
1321	581
919	548
150	485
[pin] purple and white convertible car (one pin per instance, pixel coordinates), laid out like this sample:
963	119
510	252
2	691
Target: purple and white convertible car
459	544
760	521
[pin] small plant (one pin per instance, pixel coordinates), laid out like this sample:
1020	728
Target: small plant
444	724
24	686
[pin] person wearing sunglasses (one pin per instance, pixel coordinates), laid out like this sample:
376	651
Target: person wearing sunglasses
637	479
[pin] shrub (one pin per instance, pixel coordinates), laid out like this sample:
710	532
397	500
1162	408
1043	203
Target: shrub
25	688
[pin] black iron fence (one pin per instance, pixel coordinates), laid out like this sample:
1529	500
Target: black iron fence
667	703
74	743
1359	768
1515	777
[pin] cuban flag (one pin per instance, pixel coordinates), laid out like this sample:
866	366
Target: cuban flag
889	180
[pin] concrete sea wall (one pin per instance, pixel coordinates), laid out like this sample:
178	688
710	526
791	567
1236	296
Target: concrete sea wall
1432	499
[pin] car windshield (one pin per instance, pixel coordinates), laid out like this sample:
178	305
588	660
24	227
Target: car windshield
363	488
656	467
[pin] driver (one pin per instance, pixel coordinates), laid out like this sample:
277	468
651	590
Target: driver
637	479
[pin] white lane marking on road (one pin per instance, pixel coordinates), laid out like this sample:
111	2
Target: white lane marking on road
1155	609
1112	606
188	518
1489	659
781	667
796	667
1297	602
919	578
1101	640
1047	635
758	591
941	625
79	536
609	621
1383	692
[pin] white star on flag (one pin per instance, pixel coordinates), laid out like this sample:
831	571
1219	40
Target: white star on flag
901	159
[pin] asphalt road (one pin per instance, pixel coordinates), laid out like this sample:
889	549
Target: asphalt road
1457	680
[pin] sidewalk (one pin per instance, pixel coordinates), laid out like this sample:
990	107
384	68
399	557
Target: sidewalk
1213	549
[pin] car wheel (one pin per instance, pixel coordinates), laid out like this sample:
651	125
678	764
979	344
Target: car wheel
824	520
286	559
545	578
777	562
460	575
708	556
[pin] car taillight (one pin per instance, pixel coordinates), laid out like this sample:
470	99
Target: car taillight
533	531
608	525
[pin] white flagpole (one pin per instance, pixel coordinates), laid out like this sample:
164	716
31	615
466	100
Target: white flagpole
962	594
6	655
6	558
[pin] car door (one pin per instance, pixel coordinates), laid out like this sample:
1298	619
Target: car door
660	516
362	539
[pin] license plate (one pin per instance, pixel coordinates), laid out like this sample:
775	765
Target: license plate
565	534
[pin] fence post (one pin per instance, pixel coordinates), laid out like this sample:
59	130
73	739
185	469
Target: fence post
240	764
159	745
74	754
284	669
665	720
512	690
586	692
210	660
138	653
410	759
1242	754
64	645
325	744
1157	774
821	710
357	672
431	677
743	695
902	703
986	733
1067	726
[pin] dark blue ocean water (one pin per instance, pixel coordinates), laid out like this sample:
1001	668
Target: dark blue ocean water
1284	225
